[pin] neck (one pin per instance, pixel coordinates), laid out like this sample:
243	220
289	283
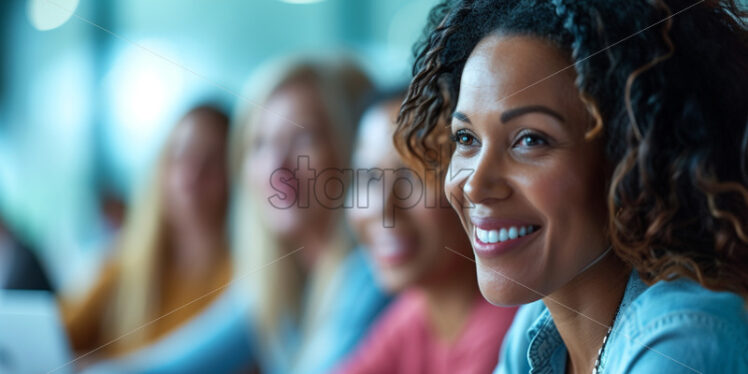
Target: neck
450	300
584	308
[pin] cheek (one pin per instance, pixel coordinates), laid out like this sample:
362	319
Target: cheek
359	219
550	190
320	153
179	179
173	181
170	190
571	199
257	170
218	186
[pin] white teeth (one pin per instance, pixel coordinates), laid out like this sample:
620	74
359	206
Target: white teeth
390	250
387	250
482	235
513	232
497	236
503	235
493	236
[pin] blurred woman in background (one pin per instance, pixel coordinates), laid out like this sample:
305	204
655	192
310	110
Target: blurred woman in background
315	295
173	254
439	323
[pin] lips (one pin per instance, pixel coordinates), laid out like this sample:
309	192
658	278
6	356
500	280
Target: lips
492	237
390	249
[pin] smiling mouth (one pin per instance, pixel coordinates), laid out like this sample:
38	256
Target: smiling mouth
504	234
391	249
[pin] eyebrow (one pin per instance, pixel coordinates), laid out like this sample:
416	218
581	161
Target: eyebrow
516	112
462	117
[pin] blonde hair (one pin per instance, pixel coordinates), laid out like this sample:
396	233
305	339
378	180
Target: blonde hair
278	284
139	267
136	295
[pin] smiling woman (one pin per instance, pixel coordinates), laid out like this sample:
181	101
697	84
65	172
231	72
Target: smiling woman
599	168
314	306
530	166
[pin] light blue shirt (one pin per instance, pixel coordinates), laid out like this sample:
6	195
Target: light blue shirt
356	300
671	327
218	340
223	340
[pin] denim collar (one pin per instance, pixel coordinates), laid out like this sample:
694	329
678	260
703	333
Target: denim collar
634	288
547	353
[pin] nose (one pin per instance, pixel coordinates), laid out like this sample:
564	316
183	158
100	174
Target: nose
376	193
488	181
389	203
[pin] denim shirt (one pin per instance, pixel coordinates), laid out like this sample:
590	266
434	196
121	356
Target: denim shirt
671	327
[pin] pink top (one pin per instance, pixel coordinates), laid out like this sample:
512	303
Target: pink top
402	341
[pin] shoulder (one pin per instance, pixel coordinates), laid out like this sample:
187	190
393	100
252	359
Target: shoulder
685	296
357	292
388	339
679	326
684	302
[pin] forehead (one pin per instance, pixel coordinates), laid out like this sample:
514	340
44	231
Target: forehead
507	71
374	144
200	128
294	107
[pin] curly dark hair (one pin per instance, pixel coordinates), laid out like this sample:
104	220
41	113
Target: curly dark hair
666	82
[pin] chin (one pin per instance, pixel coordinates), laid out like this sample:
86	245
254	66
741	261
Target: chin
394	281
500	291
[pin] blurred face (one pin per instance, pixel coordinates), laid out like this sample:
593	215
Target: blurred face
196	177
292	142
409	249
529	189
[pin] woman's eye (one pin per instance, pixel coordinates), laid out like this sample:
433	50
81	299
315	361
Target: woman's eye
532	140
463	137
